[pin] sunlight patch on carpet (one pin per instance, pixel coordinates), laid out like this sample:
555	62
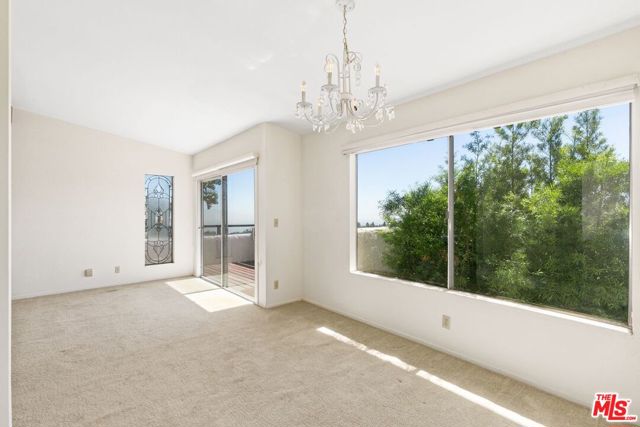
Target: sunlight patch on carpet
433	379
190	285
217	300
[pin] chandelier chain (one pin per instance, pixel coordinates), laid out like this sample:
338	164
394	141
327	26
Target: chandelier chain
344	30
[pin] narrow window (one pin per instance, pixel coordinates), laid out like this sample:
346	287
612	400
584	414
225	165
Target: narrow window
158	219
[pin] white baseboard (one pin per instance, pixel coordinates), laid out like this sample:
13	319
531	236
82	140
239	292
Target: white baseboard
49	292
280	304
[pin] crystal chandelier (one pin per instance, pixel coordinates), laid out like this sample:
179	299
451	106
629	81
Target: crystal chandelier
337	103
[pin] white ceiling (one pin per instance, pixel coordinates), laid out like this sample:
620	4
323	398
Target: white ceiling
187	74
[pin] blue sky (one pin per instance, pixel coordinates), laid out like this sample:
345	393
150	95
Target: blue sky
401	168
398	168
240	190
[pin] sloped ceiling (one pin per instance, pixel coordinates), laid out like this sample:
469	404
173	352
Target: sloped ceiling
187	74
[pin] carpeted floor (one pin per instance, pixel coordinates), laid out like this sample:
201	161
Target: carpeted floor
172	355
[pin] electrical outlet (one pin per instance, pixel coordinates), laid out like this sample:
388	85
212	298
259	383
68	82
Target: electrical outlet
276	284
276	222
446	321
88	272
117	269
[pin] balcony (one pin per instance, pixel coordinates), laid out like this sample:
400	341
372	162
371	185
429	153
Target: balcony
234	267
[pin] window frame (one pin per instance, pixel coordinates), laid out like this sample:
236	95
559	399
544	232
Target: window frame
616	92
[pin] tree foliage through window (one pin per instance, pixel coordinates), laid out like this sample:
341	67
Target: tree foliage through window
541	216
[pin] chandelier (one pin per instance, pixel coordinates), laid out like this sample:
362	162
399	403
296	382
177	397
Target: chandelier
337	103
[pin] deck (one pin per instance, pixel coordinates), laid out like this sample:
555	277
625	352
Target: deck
240	278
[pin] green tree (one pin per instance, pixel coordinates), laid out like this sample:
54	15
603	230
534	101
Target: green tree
550	132
477	147
541	216
588	139
417	234
210	191
511	156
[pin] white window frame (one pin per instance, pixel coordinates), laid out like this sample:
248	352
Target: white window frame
602	94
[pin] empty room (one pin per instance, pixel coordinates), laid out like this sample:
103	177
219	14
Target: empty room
319	213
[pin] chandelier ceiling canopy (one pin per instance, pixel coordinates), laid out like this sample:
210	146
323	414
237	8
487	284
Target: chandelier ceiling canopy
337	103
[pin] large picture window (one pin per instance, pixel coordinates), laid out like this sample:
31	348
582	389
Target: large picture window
540	212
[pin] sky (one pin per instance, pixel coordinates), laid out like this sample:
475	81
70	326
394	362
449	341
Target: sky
240	199
402	168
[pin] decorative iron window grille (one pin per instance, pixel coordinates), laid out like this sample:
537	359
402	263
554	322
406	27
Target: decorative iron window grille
158	219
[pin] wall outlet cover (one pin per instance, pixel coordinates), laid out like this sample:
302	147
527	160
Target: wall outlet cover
446	321
88	272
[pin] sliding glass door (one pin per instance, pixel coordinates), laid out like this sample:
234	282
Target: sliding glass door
211	230
228	232
239	233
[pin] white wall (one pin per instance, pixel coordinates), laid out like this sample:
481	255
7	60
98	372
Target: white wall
5	219
279	196
283	155
570	358
78	202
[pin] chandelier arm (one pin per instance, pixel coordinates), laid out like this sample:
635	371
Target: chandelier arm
336	107
369	111
314	119
311	118
378	103
330	57
333	57
331	116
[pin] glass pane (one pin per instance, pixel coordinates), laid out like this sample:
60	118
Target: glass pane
402	212
158	219
240	240
212	230
542	212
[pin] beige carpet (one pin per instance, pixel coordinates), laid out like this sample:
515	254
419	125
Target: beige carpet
177	354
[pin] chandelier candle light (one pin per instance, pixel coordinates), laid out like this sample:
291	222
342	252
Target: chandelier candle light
337	103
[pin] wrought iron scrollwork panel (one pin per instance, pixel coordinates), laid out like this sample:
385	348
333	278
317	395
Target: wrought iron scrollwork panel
158	219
